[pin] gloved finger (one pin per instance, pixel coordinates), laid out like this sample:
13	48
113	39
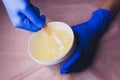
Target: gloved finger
70	63
43	17
26	24
79	66
37	10
33	17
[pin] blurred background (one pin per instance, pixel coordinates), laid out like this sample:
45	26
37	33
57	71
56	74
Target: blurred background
15	63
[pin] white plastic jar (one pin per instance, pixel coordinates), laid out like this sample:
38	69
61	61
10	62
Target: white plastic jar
39	43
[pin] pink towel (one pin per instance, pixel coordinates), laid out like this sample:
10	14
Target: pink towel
16	64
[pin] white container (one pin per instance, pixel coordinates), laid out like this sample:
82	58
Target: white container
61	26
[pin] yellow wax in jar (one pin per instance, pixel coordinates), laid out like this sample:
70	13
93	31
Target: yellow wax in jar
49	43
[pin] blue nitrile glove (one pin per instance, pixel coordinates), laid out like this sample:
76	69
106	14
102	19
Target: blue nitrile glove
87	36
24	15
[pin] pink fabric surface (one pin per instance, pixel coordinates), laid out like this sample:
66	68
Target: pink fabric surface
16	64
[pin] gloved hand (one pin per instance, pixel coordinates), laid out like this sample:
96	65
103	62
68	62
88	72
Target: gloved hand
24	15
87	36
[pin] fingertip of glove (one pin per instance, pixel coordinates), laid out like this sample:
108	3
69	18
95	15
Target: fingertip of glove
43	18
40	25
103	13
36	28
63	71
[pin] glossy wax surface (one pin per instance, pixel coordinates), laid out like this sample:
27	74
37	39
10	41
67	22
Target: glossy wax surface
51	42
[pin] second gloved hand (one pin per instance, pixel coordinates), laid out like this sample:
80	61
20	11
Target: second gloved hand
87	36
24	15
